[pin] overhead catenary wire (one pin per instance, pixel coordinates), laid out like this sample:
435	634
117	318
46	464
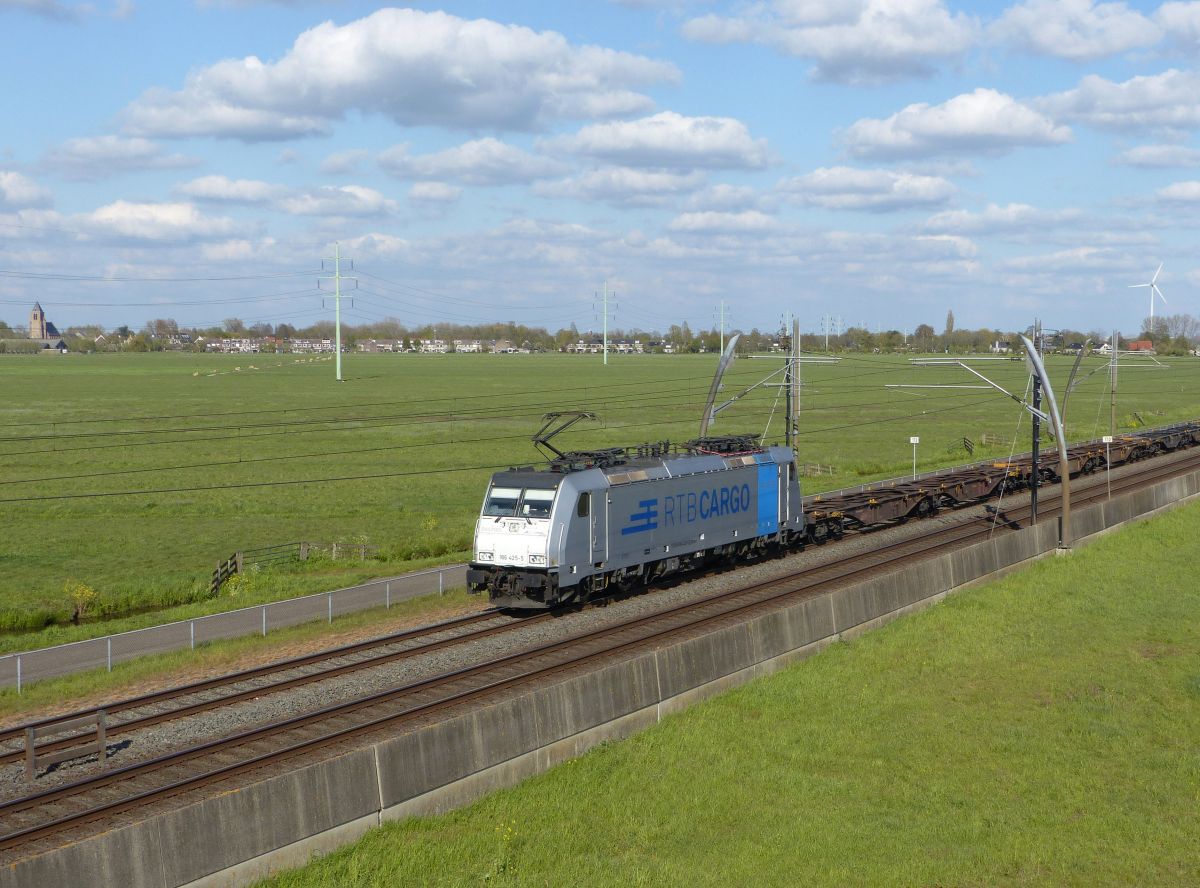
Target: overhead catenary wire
635	401
347	478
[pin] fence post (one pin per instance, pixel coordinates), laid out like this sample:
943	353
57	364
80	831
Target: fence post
329	598
238	557
441	587
387	595
101	737
109	653
264	610
333	554
18	673
192	632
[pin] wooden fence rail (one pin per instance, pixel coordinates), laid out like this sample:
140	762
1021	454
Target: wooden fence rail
267	556
224	570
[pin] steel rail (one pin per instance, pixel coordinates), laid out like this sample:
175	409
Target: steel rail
232	678
782	588
228	679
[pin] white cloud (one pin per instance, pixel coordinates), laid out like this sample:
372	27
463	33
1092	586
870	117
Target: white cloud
1167	101
623	186
1078	30
241	250
170	222
995	218
846	188
1159	156
56	9
17	191
711	222
945	246
1181	22
723	196
434	192
1180	192
851	41
338	200
1079	259
223	189
415	68
484	161
342	162
669	140
95	157
984	121
377	245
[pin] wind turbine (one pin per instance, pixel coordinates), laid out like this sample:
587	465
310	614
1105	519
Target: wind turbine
1154	291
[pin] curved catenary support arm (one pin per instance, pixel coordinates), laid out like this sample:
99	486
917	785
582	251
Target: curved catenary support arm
1064	470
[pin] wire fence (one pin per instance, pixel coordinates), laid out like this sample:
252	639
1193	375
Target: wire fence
21	669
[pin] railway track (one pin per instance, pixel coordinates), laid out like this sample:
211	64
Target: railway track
57	811
223	690
146	710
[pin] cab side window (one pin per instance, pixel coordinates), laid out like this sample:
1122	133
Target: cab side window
584	506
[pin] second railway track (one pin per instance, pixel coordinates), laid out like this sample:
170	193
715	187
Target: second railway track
67	807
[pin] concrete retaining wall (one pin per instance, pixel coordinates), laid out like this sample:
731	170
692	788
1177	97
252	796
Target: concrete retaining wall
243	835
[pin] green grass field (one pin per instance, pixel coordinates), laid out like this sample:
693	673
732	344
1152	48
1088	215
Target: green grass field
1036	731
229	452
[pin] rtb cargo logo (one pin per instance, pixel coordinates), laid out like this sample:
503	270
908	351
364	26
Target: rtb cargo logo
646	519
686	508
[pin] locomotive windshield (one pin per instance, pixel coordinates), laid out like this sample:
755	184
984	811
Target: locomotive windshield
502	502
508	502
537	503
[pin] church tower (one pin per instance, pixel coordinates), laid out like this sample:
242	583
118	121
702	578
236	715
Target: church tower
37	322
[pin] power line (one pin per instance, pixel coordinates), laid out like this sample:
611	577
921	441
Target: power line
113	279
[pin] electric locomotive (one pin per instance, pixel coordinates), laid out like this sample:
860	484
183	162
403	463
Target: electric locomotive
616	518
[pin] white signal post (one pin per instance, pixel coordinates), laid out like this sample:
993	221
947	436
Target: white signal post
1107	439
914	441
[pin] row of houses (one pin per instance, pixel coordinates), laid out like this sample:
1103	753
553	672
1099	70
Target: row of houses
256	344
443	346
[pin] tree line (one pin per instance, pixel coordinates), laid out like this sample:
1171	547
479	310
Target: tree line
1171	334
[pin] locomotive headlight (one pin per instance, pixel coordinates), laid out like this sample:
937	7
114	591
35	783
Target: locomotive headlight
486	556
537	559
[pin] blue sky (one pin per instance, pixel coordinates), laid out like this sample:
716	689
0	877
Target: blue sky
882	161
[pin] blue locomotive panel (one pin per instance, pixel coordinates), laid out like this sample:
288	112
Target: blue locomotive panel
768	498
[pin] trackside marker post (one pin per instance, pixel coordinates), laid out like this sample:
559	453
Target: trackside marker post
1107	439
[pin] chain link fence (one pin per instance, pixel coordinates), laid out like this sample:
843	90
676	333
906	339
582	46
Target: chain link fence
19	670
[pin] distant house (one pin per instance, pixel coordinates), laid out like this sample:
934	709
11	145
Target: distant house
380	345
1001	347
1140	345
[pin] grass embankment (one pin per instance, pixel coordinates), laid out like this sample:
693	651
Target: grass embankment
1039	730
194	437
247	590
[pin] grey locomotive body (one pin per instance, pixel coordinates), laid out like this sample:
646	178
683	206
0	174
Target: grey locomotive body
549	536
